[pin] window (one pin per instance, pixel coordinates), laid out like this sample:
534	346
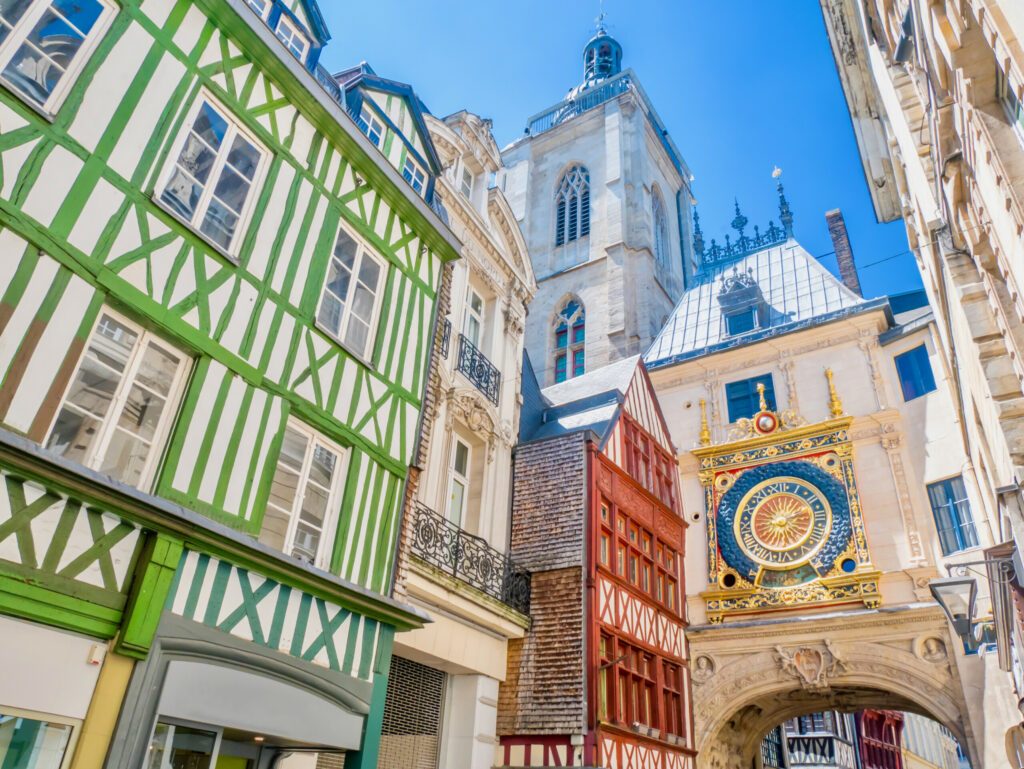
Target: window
289	34
43	44
915	371
673	720
459	489
952	511
648	463
641	559
175	745
211	180
262	7
304	496
661	244
1011	102
371	126
570	341
741	322
413	174
28	743
351	297
572	206
117	411
473	321
742	398
467	182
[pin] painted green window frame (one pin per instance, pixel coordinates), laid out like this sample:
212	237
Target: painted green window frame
365	251
73	724
129	379
328	531
177	145
25	26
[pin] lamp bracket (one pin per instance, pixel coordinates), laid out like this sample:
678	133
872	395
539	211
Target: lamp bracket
1004	568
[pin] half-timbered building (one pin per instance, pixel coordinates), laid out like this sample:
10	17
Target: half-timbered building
218	290
602	678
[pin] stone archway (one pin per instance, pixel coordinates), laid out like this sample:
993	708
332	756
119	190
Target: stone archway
750	676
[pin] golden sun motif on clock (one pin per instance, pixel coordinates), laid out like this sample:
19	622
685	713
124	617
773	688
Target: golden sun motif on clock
782	521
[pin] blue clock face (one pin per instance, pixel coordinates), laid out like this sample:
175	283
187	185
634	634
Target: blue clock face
784	523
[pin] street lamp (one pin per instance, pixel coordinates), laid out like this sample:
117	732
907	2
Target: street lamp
957	596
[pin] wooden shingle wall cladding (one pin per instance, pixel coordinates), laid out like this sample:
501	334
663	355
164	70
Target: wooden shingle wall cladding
543	692
549	497
81	230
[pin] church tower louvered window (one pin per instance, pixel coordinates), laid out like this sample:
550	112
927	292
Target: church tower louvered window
661	247
572	206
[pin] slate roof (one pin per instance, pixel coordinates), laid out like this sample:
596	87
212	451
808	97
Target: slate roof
588	402
798	291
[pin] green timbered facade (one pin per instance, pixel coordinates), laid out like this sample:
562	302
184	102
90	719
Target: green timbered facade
217	295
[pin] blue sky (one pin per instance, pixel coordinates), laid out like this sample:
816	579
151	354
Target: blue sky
742	85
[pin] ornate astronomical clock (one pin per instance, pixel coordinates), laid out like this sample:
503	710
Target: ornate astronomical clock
783	517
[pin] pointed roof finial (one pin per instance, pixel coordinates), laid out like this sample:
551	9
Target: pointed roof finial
740	221
763	403
835	406
698	236
599	21
705	431
785	214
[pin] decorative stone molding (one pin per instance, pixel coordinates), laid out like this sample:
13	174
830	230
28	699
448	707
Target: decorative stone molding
868	344
892	442
813	667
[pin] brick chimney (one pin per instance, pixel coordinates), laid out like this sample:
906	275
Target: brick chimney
844	254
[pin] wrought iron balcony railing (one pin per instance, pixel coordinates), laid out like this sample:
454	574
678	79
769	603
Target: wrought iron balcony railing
446	337
470	559
478	369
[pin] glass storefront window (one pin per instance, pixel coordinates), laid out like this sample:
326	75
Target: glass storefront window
26	743
175	746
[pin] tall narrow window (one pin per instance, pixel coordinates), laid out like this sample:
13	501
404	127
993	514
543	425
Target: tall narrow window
458	491
570	341
467	182
350	301
1011	102
661	244
953	518
43	44
211	180
117	411
289	34
572	206
304	496
371	126
473	323
915	370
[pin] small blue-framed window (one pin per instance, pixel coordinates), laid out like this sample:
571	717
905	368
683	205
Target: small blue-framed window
741	322
742	398
953	518
915	371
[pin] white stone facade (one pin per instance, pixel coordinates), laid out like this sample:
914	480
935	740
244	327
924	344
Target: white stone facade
613	271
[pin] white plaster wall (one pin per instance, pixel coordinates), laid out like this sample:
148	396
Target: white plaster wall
47	670
471	719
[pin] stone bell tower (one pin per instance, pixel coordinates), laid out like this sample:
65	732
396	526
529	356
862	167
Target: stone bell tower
603	197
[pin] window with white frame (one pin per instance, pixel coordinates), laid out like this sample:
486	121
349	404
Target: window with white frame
467	182
458	489
371	126
43	44
289	34
304	496
117	411
213	174
262	7
413	174
473	317
30	740
351	297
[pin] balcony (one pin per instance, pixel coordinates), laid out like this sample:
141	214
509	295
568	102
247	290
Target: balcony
478	369
469	559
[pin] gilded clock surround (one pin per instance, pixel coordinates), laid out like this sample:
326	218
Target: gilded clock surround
784	522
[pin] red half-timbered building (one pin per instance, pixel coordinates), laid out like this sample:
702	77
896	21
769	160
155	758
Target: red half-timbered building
602	678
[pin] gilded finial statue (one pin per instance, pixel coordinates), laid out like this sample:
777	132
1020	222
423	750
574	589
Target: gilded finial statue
705	431
760	395
835	406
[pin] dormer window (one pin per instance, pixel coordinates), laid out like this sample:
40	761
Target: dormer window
741	322
467	182
262	8
289	34
413	174
371	126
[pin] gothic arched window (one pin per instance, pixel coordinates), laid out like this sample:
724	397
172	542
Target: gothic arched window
572	206
661	248
570	341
